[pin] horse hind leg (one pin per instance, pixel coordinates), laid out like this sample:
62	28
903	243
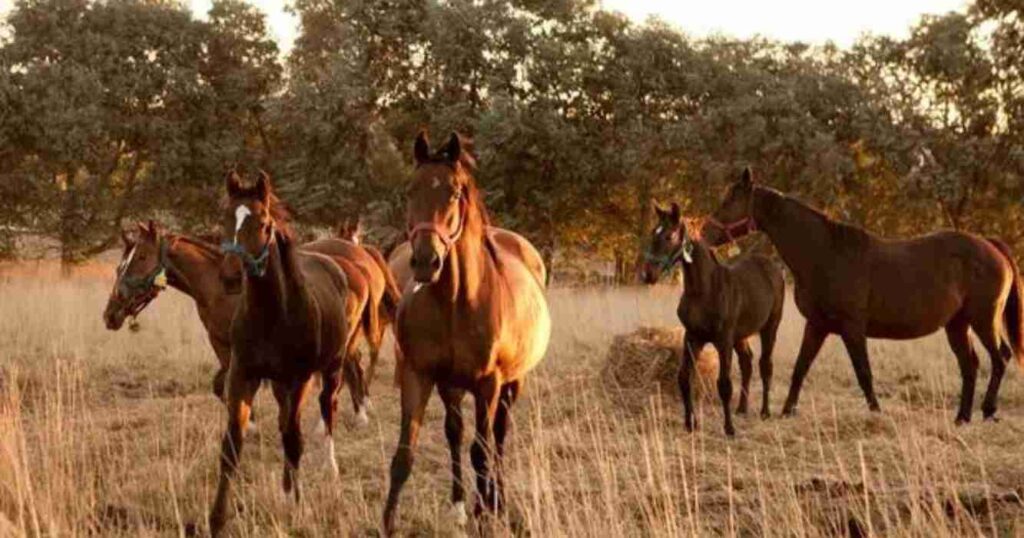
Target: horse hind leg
960	343
328	410
997	351
857	347
724	349
690	352
240	393
745	357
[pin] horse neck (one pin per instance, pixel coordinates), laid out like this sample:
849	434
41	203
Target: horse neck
277	291
799	233
193	271
698	275
468	264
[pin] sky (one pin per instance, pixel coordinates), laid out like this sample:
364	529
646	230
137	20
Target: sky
810	21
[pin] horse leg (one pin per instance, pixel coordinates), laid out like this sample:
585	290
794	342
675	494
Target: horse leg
724	348
240	392
415	394
991	343
487	394
967	359
353	376
746	361
857	347
765	366
374	337
289	399
328	409
691	350
453	427
502	421
809	349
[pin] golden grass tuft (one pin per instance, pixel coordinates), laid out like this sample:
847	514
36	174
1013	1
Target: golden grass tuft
647	360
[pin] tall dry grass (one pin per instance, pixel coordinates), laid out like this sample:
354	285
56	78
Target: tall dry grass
116	434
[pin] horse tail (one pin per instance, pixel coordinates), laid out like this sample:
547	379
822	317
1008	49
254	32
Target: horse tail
1013	312
392	295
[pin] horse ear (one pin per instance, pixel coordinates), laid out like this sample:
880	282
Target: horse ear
454	148
233	184
748	177
152	227
421	149
263	187
143	229
676	213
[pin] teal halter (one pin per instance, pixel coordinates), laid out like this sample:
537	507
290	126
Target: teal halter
254	265
666	262
135	292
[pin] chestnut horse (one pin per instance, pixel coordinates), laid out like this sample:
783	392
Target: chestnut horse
722	304
290	324
855	284
155	259
475	320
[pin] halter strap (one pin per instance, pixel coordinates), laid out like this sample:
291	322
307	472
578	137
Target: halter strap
254	265
134	293
441	232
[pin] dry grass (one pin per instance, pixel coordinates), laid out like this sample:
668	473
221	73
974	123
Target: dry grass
117	434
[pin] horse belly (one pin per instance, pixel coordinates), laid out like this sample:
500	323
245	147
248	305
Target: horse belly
524	339
912	318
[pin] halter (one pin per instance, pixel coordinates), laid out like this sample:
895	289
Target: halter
666	262
449	240
745	225
139	291
255	266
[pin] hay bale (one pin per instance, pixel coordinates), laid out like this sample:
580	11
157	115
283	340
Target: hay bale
647	360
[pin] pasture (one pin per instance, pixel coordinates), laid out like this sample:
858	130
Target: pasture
117	434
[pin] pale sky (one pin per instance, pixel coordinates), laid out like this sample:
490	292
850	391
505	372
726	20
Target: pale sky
811	21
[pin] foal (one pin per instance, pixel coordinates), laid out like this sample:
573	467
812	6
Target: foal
291	323
722	304
476	320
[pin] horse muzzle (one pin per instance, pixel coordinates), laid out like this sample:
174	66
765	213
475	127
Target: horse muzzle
113	316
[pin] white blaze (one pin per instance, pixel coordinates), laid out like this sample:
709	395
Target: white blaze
128	260
241	213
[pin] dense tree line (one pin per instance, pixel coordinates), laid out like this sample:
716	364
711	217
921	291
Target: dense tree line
118	109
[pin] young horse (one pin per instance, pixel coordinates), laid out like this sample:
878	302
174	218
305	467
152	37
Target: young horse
154	260
476	320
291	323
858	285
722	304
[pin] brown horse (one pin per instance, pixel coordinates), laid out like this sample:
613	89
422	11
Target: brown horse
722	304
290	324
155	259
855	284
476	320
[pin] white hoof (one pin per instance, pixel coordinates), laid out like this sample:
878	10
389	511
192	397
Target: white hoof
251	427
459	515
321	428
367	404
362	419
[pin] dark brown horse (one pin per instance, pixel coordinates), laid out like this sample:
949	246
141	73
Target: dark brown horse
722	304
291	324
476	320
155	259
855	284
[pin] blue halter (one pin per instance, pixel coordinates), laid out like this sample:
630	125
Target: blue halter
254	265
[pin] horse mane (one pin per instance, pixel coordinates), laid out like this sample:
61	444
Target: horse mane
206	243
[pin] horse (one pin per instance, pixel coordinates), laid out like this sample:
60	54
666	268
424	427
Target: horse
154	260
384	291
290	324
475	320
851	282
722	303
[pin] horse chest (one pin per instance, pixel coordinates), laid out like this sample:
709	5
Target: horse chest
699	316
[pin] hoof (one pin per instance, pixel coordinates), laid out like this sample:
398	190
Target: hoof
789	412
875	408
960	421
992	418
362	418
742	411
321	428
332	459
765	415
730	431
251	427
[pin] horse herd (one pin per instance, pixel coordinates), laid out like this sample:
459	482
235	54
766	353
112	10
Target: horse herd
466	303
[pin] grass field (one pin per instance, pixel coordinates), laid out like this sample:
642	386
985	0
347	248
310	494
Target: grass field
117	434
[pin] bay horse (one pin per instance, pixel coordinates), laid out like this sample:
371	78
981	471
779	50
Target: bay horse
290	324
153	260
724	304
476	320
853	283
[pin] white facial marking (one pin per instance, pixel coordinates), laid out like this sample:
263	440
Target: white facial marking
657	231
688	252
127	261
242	212
436	183
416	287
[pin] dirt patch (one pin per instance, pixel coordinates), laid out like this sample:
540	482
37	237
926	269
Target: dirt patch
647	361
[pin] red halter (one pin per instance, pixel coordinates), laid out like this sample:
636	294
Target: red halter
745	226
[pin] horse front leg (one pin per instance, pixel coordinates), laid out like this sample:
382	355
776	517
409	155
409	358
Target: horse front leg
416	391
809	349
453	429
691	350
502	422
240	392
328	411
290	398
857	347
724	348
